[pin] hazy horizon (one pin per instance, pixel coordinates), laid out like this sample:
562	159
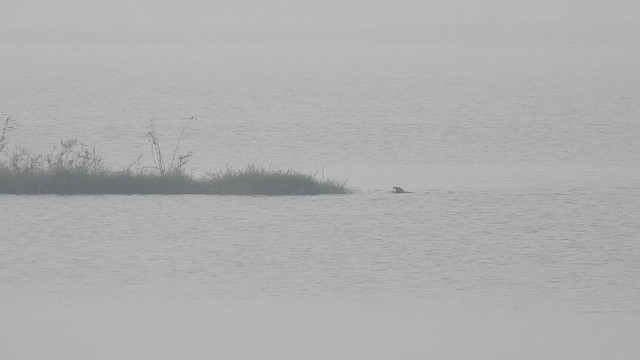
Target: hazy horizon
100	13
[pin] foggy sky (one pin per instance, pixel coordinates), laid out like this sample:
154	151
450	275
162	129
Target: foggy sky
66	13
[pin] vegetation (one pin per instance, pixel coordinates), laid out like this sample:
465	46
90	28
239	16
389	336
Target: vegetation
256	180
74	168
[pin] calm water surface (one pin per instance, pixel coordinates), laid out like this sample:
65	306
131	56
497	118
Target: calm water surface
535	249
373	114
519	241
526	273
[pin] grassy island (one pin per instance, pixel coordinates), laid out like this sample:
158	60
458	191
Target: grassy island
74	168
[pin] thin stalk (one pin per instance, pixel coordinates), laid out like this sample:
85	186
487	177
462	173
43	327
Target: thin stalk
175	151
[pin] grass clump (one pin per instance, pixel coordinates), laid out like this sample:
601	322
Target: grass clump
256	180
74	168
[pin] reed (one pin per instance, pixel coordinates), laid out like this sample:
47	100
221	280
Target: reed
74	168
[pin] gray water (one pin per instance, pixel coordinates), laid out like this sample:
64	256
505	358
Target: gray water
520	239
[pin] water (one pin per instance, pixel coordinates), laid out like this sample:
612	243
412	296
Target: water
364	112
519	240
450	250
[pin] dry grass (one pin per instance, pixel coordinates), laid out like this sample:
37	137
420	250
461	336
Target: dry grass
74	168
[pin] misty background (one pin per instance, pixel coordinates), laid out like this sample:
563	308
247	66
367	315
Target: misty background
332	21
514	123
92	13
